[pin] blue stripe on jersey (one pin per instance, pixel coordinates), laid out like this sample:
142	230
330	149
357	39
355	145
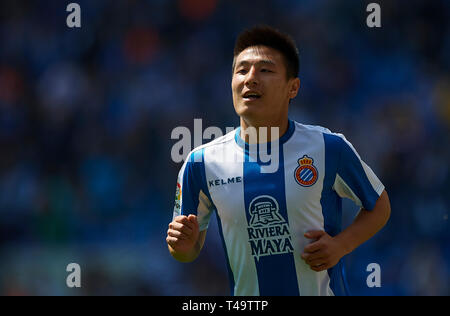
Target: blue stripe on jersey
275	271
194	180
332	204
352	172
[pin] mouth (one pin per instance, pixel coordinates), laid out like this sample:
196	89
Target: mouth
251	96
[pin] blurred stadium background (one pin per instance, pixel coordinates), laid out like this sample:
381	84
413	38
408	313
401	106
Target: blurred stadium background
86	116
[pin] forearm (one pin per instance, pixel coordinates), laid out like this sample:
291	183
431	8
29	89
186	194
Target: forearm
365	225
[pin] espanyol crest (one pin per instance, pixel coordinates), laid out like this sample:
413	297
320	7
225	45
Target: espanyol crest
306	173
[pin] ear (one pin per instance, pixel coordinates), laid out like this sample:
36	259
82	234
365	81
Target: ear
294	86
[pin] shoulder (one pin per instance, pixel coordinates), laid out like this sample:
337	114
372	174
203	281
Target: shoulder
317	129
333	141
196	155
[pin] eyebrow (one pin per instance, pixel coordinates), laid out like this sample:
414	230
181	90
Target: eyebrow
264	61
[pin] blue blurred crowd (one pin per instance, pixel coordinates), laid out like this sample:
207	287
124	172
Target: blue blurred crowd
86	116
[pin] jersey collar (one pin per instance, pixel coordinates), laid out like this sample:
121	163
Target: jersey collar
284	138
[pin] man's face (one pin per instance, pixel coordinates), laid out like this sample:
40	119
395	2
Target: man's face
261	90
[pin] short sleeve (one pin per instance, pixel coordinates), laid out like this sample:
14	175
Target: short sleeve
355	179
191	195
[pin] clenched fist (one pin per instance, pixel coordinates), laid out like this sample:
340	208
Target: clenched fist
324	252
183	238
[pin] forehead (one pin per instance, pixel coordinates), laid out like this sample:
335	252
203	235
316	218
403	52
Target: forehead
254	54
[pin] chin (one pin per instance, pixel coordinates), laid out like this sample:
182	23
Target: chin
251	116
246	111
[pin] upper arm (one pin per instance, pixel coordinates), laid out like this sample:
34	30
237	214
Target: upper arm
355	179
383	204
192	196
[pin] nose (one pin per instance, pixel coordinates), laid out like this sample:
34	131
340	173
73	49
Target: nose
251	78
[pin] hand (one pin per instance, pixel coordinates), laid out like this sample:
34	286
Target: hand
183	233
324	252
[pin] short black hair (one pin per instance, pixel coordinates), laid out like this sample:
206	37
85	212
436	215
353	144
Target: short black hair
268	36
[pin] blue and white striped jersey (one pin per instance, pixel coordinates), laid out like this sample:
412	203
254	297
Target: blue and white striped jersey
262	216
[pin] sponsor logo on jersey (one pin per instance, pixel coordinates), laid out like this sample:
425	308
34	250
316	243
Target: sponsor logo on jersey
268	231
178	197
217	182
306	173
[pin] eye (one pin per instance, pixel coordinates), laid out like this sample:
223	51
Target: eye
242	71
266	70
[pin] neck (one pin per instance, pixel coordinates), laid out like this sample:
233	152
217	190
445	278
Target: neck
263	131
